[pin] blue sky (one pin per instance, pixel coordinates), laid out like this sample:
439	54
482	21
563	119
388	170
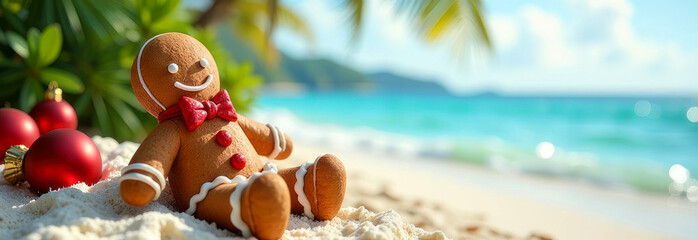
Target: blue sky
570	47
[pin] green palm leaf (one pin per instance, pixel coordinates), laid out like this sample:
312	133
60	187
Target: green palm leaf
355	12
253	21
435	20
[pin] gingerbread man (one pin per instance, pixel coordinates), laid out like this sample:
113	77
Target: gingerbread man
210	155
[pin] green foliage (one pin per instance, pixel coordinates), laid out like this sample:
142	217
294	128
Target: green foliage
355	15
253	20
35	52
460	21
87	47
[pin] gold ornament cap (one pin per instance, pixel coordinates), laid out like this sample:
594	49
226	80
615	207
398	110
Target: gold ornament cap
54	92
14	157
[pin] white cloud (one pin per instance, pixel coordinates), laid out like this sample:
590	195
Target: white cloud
547	29
587	47
594	48
391	28
505	30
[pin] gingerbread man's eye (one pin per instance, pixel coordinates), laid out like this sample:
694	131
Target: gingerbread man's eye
172	68
203	62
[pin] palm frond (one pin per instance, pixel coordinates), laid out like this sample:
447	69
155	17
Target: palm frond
475	9
291	20
81	20
460	19
246	27
272	13
355	12
254	22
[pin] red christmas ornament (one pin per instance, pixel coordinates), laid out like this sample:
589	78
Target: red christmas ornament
16	128
238	161
57	159
54	113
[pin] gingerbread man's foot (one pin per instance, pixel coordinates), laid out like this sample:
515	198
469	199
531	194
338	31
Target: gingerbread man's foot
320	191
257	207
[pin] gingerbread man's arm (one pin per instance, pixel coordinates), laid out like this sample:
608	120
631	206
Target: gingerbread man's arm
267	140
144	178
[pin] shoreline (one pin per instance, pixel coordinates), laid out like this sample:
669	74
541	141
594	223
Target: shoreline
518	205
485	148
616	210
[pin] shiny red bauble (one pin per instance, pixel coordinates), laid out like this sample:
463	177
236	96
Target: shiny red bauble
54	113
16	128
61	158
51	115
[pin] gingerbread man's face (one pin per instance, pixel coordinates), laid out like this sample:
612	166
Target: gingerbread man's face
172	65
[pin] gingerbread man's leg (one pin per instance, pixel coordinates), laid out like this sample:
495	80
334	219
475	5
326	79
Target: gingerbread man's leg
320	193
256	207
317	188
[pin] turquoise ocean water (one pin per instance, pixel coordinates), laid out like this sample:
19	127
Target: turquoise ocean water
629	142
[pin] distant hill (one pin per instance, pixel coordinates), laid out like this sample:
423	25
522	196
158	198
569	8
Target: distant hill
312	74
324	74
391	83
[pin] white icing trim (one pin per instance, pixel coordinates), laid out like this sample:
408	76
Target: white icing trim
146	168
270	167
203	86
206	187
298	187
144	179
2	175
277	146
140	76
282	137
236	214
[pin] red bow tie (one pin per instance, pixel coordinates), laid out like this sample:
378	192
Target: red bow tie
195	112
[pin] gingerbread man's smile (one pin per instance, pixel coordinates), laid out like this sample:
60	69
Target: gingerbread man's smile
173	68
203	86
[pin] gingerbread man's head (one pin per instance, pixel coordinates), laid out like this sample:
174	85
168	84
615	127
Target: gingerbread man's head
172	65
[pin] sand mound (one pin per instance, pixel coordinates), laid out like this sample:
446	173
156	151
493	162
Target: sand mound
97	211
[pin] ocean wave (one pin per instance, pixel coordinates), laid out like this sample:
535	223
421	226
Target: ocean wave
489	152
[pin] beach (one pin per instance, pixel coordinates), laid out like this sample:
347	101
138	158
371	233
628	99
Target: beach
386	199
525	120
425	193
572	168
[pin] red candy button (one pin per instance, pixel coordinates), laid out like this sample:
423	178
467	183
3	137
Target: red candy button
224	138
238	161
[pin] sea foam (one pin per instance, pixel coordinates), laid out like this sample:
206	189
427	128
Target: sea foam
489	152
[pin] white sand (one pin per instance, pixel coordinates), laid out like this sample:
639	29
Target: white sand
472	203
386	195
97	211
